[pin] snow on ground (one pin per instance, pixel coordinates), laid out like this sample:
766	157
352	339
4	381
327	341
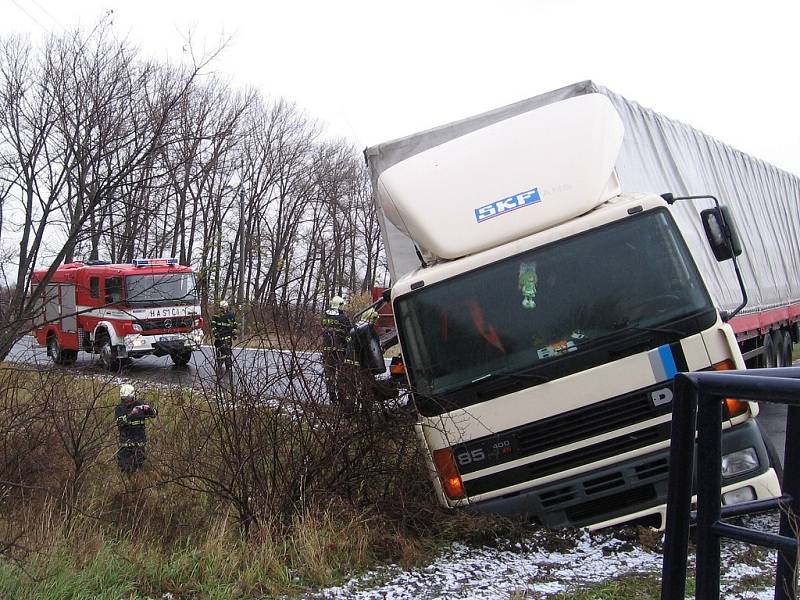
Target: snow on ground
546	564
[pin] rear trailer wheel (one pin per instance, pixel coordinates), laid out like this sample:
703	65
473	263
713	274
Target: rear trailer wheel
785	354
181	359
770	355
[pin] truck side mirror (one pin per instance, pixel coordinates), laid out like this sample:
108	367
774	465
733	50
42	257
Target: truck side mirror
721	232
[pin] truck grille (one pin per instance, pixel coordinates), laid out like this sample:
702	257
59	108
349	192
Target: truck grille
581	424
170	323
569	460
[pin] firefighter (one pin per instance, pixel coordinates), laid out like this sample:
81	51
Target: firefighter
223	330
335	329
130	415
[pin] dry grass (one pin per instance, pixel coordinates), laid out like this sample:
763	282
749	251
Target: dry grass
72	526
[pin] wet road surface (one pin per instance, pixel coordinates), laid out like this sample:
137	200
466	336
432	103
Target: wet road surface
271	371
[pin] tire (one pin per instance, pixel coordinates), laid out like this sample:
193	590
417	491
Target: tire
785	350
108	356
772	454
770	354
181	359
54	350
788	348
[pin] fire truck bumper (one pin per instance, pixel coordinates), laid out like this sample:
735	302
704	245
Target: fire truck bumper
161	345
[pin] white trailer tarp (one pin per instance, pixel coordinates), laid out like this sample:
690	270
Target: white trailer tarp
660	155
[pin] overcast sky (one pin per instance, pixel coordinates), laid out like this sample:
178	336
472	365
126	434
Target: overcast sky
375	70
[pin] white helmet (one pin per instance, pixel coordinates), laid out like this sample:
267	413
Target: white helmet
337	302
223	304
126	390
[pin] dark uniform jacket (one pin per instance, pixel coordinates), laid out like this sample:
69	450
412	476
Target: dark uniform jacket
224	326
131	427
335	329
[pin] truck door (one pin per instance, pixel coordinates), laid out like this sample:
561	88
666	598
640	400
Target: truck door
69	321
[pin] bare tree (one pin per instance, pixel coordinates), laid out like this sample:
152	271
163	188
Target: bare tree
99	116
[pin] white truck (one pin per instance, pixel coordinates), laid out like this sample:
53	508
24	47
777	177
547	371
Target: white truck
545	294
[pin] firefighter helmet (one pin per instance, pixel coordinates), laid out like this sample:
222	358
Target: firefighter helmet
337	302
126	390
223	304
370	315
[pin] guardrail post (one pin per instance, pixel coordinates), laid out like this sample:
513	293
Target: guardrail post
679	494
785	575
709	488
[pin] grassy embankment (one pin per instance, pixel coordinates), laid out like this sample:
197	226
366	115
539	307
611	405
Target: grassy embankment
72	526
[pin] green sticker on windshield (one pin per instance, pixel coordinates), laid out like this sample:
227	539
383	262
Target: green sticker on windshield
527	283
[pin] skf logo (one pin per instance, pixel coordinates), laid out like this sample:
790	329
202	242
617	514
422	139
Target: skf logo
662	396
505	205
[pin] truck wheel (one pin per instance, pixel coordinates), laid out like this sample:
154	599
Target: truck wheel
769	357
772	453
786	348
54	350
109	356
181	359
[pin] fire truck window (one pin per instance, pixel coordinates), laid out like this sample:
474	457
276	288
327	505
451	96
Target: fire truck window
113	290
94	287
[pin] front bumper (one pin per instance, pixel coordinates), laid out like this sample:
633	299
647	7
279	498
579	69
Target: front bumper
162	344
635	489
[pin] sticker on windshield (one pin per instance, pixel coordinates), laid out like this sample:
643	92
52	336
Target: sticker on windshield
506	205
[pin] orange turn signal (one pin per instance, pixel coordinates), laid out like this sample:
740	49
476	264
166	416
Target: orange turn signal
735	407
448	473
397	368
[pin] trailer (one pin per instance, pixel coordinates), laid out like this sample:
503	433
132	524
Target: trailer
119	311
559	408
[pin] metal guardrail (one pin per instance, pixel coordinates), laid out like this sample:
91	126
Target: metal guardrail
697	407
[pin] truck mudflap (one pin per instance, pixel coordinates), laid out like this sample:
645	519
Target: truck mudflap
636	487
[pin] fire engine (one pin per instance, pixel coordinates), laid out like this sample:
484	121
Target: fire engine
119	311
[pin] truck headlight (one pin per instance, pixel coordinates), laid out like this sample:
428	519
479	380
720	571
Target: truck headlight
745	494
738	462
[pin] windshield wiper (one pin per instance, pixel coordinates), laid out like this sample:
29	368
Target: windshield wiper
512	374
642	328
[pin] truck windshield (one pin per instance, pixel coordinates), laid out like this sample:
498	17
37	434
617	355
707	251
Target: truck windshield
577	303
160	289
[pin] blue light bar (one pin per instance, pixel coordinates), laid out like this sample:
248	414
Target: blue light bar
154	262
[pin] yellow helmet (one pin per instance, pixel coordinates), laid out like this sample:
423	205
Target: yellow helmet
337	302
370	315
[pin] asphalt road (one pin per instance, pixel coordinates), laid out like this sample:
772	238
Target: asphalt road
270	371
273	372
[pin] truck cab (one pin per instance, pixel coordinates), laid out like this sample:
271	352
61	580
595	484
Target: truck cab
542	369
548	316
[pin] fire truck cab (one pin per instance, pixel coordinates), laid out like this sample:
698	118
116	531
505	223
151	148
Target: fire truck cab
119	311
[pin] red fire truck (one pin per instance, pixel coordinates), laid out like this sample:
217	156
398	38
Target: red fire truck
119	311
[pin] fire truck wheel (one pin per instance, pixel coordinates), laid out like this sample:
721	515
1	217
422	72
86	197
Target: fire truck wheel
181	359
109	356
54	350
